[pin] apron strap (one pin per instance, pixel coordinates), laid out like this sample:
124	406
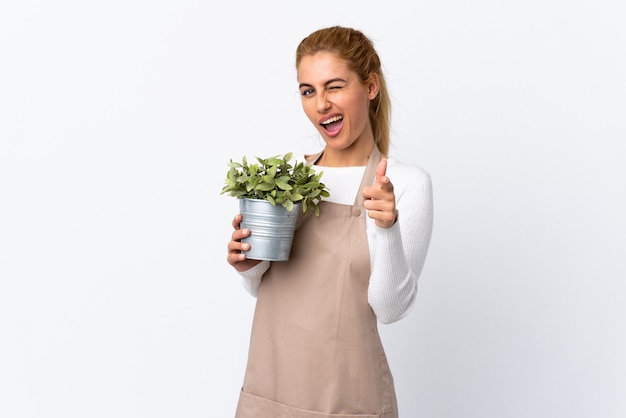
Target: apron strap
312	159
369	176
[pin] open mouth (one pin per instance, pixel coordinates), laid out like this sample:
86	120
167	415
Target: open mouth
332	125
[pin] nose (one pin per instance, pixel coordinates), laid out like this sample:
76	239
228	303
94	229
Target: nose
322	103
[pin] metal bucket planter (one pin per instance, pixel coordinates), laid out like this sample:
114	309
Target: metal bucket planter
271	228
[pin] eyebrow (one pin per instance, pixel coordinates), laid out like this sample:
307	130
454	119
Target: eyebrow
332	80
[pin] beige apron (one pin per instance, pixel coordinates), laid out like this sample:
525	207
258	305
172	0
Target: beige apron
315	350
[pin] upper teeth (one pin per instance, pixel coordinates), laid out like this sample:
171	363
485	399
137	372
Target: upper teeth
333	119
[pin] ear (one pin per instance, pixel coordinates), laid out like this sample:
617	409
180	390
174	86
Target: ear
373	86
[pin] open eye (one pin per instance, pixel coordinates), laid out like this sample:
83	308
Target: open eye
306	91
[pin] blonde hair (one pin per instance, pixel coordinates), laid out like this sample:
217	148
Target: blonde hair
358	51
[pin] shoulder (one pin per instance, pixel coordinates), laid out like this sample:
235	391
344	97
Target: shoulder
403	174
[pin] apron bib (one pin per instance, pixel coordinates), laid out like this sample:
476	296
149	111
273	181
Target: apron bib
315	350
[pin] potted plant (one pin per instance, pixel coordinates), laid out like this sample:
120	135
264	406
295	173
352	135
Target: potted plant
272	194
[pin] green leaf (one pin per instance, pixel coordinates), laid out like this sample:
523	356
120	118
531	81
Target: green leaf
264	186
254	169
316	209
283	185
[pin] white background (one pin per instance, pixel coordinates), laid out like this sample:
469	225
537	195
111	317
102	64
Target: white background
117	120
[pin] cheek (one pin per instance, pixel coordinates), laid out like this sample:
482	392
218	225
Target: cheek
359	108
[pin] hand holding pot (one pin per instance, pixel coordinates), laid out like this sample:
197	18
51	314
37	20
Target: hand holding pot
236	256
380	200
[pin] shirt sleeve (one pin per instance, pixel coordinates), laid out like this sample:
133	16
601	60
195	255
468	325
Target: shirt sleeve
398	253
251	278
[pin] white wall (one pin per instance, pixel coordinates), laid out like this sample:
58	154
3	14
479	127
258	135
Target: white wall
117	120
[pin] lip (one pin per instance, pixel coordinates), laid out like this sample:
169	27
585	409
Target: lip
331	133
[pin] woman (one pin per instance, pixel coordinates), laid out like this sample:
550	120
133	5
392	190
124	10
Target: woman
314	349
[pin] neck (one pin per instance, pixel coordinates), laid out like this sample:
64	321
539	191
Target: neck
345	158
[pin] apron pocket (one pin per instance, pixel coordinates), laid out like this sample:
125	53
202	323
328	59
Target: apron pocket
252	406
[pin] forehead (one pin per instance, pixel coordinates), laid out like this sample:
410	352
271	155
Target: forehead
322	66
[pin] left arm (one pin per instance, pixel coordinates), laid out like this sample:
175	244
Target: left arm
399	230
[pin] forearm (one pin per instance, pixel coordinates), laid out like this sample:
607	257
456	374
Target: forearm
398	253
393	285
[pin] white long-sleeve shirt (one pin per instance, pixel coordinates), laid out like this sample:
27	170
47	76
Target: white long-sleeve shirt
397	254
